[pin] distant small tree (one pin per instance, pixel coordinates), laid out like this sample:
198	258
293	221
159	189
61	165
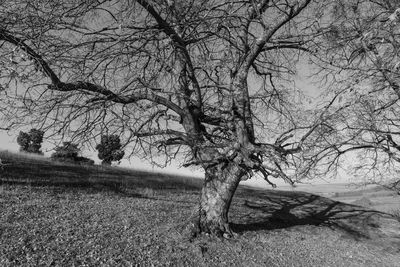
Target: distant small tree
23	141
67	152
110	149
31	142
36	141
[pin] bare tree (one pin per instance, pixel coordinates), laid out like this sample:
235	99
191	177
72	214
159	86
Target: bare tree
209	82
361	64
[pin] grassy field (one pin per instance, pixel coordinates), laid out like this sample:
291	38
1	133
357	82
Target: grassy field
64	215
371	196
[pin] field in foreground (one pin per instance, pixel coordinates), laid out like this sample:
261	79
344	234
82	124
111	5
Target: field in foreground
52	214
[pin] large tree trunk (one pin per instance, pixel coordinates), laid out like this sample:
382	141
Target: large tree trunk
219	187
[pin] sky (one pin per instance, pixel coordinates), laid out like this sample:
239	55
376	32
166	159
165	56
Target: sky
8	142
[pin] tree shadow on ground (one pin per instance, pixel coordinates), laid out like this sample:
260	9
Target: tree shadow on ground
271	210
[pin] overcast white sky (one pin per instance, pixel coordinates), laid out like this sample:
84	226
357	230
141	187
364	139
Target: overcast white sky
6	142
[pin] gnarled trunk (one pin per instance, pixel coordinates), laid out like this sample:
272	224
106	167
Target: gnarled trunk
219	187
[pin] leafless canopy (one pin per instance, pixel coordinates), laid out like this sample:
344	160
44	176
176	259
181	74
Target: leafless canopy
209	80
362	65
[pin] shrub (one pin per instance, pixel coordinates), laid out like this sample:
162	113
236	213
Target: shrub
84	161
68	152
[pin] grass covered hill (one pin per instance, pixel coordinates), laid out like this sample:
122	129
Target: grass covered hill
64	215
38	170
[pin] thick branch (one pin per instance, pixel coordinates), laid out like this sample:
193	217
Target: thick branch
261	42
111	96
86	86
180	44
285	46
167	29
8	37
160	132
266	174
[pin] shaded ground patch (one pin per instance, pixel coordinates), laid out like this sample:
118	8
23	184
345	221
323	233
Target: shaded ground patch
271	210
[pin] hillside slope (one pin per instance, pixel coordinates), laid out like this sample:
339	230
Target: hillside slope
52	214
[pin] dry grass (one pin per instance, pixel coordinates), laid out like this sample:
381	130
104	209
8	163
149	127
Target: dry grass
63	216
396	213
37	170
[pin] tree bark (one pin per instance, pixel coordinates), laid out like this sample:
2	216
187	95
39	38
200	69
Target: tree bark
219	187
